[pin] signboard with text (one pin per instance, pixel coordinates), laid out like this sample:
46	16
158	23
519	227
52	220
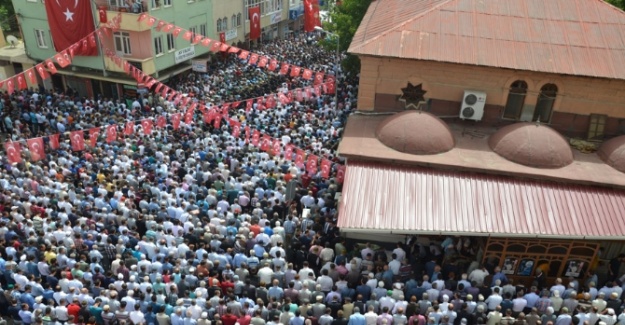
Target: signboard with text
184	54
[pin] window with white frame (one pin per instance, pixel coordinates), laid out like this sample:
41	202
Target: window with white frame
156	4
40	35
193	31
252	4
224	23
122	43
171	42
203	30
238	19
219	25
158	45
167	3
233	21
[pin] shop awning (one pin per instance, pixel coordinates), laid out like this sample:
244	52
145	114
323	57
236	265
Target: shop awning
408	200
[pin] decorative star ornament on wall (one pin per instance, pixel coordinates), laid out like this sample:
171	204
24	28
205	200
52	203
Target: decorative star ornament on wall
412	95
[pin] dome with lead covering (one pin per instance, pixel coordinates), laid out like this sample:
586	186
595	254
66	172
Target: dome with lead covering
613	153
532	144
415	132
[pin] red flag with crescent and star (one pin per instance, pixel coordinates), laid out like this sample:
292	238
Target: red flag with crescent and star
175	121
236	128
70	21
129	128
111	133
161	122
340	174
299	157
311	15
255	138
35	146
326	167
93	137
14	152
254	14
311	164
288	152
54	141
147	126
77	139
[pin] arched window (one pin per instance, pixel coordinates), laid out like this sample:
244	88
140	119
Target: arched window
516	100
544	104
239	19
224	24
219	25
233	21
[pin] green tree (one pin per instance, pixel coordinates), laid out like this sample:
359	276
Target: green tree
8	21
344	21
617	3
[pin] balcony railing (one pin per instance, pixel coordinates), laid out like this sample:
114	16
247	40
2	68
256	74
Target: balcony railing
129	6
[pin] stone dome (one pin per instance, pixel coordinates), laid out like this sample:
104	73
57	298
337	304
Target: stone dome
613	153
415	132
532	144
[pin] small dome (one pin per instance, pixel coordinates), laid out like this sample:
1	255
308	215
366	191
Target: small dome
415	132
613	153
533	145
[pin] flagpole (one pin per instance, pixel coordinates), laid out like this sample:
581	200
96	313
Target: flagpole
247	13
97	39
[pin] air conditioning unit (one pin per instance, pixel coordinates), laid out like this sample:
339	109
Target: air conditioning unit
472	107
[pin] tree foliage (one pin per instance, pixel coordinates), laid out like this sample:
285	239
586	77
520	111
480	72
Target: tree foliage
8	21
344	21
617	3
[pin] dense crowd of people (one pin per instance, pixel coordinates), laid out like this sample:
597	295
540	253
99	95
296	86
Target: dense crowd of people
193	226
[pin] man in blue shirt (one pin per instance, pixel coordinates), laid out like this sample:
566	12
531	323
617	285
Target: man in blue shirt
357	318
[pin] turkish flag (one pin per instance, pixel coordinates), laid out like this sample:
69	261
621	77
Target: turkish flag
271	101
288	152
248	132
326	167
284	69
92	41
224	47
111	133
54	141
299	157
151	21
276	147
206	42
244	54
236	128
187	35
10	86
265	144
215	46
21	82
311	15
307	74
142	17
161	121
93	137
160	25
35	146
330	85
168	28
50	65
62	60
263	62
102	13
311	164
197	39
255	138
70	21
129	128
273	64
188	116
175	121
295	71
42	71
249	104
254	14
147	126
253	58
234	49
340	174
32	77
14	152
319	78
283	99
77	138
299	95
177	31
309	93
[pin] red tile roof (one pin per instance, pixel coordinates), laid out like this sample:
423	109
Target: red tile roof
403	200
574	37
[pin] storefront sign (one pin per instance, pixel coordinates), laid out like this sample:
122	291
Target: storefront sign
276	18
296	13
231	34
199	66
184	54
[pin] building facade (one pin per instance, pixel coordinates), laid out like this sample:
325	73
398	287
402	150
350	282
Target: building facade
155	53
498	120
